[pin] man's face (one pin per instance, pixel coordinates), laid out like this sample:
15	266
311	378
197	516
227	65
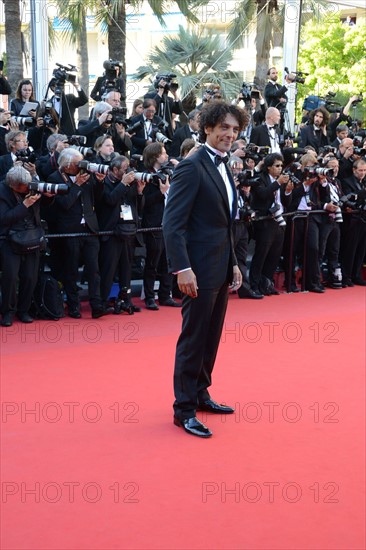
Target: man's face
318	119
122	170
73	169
273	74
163	157
274	118
195	123
342	135
360	171
276	169
20	142
236	168
149	112
223	135
114	99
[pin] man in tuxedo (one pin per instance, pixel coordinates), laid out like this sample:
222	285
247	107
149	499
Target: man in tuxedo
149	121
65	106
274	94
189	130
197	227
315	132
268	134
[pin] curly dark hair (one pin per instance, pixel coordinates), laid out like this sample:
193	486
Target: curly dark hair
319	110
216	111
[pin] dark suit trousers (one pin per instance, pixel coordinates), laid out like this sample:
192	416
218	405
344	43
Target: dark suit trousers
80	250
268	247
14	266
116	255
353	247
203	319
156	262
329	243
241	238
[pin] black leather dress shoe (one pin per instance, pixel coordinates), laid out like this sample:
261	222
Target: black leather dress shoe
294	288
211	406
74	313
7	320
170	302
25	318
100	311
359	282
254	295
347	282
151	304
193	426
316	289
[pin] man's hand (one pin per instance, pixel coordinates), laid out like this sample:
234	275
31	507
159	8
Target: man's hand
128	178
283	178
31	199
120	129
330	207
39	122
237	278
187	283
31	168
164	186
103	117
4	118
80	179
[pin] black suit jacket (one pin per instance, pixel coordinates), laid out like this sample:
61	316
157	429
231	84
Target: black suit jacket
308	136
260	136
139	139
69	104
6	162
262	195
197	222
273	94
179	136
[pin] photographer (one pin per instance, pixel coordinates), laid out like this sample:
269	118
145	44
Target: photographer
149	122
155	194
189	130
311	194
210	94
5	125
241	225
106	121
166	105
47	164
110	81
19	211
346	157
315	132
353	238
268	134
65	105
5	88
268	233
75	213
16	143
275	95
119	210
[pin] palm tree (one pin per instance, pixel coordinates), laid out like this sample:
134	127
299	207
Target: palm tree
13	40
268	16
196	59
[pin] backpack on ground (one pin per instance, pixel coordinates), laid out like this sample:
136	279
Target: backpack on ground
48	300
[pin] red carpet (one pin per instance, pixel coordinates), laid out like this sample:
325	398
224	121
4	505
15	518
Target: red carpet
92	460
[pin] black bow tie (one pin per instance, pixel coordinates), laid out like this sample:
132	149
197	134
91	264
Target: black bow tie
194	133
218	159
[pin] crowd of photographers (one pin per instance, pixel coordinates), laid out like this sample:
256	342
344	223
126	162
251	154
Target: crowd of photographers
302	204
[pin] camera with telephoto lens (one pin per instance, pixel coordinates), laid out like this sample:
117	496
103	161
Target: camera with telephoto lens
52	188
157	134
168	78
134	127
61	75
76	140
93	167
48	119
317	171
354	201
290	172
147	177
118	115
276	213
26	155
23	120
257	152
246	214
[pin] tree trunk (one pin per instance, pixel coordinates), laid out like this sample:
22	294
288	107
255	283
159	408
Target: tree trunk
13	43
83	66
117	40
263	43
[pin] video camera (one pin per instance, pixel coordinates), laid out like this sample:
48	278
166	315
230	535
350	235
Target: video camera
299	78
169	86
246	178
52	188
330	105
249	92
26	155
63	74
358	100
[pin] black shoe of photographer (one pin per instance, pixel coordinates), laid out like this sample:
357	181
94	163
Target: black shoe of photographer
249	293
7	320
359	282
151	304
24	317
74	313
123	307
170	302
100	312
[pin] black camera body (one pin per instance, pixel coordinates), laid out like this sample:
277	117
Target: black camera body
168	77
247	178
299	76
26	155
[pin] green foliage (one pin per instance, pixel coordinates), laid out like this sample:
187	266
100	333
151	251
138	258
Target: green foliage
333	54
197	59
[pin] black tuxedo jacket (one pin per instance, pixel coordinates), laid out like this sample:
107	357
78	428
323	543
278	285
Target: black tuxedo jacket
308	136
179	136
262	195
273	94
197	222
260	135
139	139
69	104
